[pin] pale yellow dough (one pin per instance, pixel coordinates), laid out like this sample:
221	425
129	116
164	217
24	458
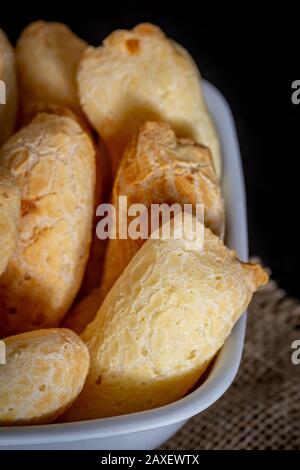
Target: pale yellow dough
156	168
8	111
53	161
93	270
47	56
161	324
44	372
141	75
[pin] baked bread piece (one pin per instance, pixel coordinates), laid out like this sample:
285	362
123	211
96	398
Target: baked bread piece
141	75
94	267
8	111
44	372
9	216
47	56
162	323
156	168
53	161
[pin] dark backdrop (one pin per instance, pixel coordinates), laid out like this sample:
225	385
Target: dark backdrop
252	57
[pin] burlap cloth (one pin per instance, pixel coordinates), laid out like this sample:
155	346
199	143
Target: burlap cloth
261	410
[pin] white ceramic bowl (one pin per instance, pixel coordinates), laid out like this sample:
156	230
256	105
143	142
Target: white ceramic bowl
149	429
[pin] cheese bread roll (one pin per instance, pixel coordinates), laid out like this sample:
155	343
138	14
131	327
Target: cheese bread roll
94	267
9	216
8	110
53	161
141	75
162	323
156	168
44	372
47	55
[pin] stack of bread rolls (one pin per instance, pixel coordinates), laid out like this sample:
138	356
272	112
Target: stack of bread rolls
97	328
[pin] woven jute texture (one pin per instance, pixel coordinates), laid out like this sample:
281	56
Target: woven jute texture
261	410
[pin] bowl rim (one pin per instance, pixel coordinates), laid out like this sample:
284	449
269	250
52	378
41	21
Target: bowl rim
228	359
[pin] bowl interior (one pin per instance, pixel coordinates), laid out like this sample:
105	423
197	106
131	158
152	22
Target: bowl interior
223	369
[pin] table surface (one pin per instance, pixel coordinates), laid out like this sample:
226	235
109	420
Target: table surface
252	59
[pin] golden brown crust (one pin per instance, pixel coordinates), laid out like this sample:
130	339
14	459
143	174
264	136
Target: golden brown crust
53	161
94	267
141	75
259	276
44	373
8	111
158	168
161	324
47	56
9	216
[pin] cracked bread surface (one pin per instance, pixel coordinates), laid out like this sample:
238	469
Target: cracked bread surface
53	162
161	324
44	372
140	75
156	168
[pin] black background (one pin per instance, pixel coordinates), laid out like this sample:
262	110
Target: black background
252	57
